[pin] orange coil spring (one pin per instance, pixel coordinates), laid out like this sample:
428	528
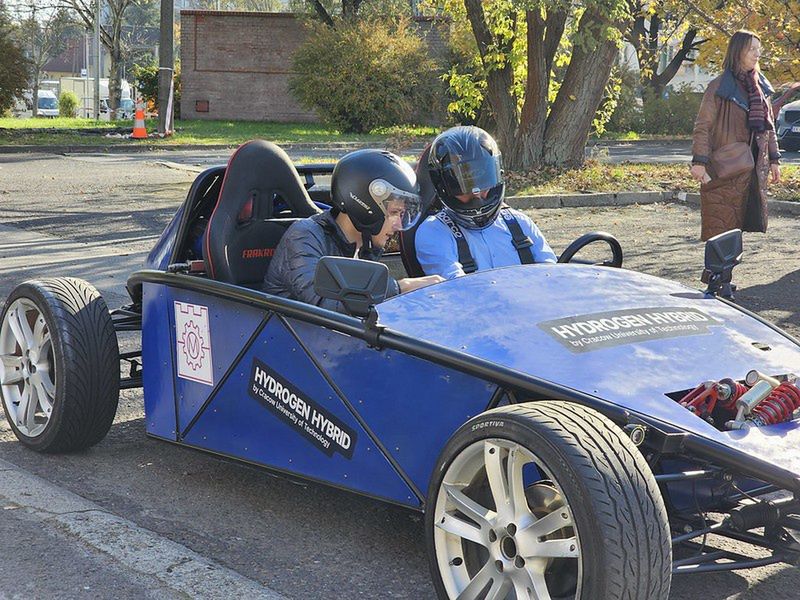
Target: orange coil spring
737	390
779	405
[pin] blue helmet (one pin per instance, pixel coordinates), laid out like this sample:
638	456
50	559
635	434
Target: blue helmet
465	161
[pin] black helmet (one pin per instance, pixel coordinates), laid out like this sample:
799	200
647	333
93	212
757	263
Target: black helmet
466	160
363	184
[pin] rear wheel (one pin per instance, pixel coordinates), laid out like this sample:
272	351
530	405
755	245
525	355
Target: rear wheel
546	500
59	364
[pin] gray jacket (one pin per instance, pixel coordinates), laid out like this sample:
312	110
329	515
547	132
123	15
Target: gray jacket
291	270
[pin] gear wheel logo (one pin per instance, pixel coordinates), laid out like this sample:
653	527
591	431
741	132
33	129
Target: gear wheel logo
193	343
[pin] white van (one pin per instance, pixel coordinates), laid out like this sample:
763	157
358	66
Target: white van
46	104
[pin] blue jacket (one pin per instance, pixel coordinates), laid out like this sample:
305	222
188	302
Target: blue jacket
491	247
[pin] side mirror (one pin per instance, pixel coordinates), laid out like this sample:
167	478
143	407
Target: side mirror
723	252
357	284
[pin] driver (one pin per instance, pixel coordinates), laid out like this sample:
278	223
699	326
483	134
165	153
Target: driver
467	235
374	194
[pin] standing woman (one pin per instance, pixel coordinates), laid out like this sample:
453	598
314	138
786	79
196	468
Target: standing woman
735	149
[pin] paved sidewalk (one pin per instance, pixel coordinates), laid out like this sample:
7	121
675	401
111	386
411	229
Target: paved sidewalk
91	553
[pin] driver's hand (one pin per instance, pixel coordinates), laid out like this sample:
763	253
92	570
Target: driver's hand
409	284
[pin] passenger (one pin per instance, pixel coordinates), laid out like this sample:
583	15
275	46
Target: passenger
374	194
467	235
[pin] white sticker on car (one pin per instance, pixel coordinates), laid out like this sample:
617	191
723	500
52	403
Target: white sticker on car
193	343
584	333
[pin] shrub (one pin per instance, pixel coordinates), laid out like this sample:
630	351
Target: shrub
146	78
628	112
366	74
68	104
673	112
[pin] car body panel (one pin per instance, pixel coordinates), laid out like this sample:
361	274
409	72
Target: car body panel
634	375
412	405
400	407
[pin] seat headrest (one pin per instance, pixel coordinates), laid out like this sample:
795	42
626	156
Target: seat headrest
259	175
430	205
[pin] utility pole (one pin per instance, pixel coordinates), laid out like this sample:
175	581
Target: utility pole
97	61
166	64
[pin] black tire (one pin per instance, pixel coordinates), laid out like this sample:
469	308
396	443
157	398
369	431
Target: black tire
81	352
617	515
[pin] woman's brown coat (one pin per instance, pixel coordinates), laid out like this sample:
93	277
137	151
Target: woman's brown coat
722	120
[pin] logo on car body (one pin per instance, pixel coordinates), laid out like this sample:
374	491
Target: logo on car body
193	343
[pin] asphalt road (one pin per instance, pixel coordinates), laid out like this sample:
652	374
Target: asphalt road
96	217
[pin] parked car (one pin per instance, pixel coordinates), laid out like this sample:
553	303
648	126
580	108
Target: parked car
47	104
562	426
788	126
125	110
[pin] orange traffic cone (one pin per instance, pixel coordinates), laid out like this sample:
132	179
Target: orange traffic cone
139	130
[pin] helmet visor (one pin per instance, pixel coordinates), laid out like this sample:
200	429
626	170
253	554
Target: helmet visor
395	202
473	176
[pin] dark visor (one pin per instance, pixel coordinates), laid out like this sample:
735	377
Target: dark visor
472	176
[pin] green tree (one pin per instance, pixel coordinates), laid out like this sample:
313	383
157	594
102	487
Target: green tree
13	64
546	64
42	28
656	25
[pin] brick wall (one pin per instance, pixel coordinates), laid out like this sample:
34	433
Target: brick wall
237	65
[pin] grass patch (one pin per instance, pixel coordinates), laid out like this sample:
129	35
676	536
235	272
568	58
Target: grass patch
231	133
630	177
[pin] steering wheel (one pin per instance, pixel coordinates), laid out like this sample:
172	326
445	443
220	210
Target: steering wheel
588	238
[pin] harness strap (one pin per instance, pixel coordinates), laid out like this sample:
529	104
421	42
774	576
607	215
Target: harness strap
468	263
522	243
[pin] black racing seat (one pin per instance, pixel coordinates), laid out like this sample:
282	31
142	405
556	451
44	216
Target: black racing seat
244	228
430	205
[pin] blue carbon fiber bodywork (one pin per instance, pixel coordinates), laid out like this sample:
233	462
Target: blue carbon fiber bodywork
380	417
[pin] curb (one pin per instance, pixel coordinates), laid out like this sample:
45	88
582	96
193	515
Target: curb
777	207
591	199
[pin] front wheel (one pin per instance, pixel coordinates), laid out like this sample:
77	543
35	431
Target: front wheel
59	364
546	500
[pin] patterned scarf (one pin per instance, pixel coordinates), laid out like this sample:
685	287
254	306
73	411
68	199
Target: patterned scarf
757	119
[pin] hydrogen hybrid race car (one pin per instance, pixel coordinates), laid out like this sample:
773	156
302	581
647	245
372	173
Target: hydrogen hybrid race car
580	431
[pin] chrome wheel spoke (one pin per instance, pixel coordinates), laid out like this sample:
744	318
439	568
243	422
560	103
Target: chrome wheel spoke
45	399
40	340
30	410
479	582
18	321
471	509
500	588
547	525
22	407
11	369
538	584
463	529
531	548
516	487
498	484
43	375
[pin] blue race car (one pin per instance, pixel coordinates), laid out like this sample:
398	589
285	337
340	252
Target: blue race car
575	427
